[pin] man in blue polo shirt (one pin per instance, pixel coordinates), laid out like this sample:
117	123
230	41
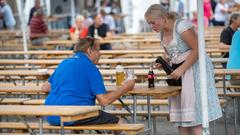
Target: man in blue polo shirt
77	81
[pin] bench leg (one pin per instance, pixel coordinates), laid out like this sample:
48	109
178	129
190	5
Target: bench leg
154	126
226	108
27	125
62	127
149	114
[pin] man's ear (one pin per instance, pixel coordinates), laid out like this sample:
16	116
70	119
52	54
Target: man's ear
89	51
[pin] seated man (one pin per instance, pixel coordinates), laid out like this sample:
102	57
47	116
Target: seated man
100	30
227	34
77	81
38	28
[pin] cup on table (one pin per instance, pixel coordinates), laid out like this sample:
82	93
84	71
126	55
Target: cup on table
130	74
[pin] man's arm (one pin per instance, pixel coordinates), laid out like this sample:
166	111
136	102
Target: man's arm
225	40
222	45
106	99
46	87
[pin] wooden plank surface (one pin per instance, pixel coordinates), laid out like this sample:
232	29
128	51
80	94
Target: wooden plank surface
103	52
31	110
128	61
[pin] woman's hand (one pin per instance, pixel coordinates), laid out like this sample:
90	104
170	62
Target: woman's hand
157	66
177	73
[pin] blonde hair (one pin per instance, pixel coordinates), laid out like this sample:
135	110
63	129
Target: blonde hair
80	18
156	11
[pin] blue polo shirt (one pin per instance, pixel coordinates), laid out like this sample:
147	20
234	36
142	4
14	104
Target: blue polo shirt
76	81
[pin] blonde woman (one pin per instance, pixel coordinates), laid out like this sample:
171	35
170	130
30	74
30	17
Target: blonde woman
180	42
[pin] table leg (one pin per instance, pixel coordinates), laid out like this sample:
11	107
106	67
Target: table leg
21	118
226	110
134	109
149	113
40	126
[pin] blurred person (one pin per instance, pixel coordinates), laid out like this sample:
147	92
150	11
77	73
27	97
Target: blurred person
116	9
38	28
78	82
37	5
227	33
7	15
207	8
213	4
221	13
180	8
234	58
107	5
100	30
180	42
195	20
1	20
166	4
78	30
87	19
108	19
237	2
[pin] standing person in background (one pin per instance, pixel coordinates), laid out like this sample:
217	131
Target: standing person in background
227	33
1	20
207	8
108	19
100	30
213	4
195	20
37	5
7	15
78	30
181	8
180	42
221	13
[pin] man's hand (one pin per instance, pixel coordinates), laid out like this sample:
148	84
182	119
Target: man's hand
46	87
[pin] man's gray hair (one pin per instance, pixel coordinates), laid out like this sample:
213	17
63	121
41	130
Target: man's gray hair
233	17
84	43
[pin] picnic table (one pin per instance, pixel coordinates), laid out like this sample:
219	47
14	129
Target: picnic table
66	113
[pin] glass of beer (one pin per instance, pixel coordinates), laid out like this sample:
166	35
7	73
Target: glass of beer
119	75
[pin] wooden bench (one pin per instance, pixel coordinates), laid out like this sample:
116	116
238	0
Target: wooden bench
13	100
116	103
47	134
130	129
